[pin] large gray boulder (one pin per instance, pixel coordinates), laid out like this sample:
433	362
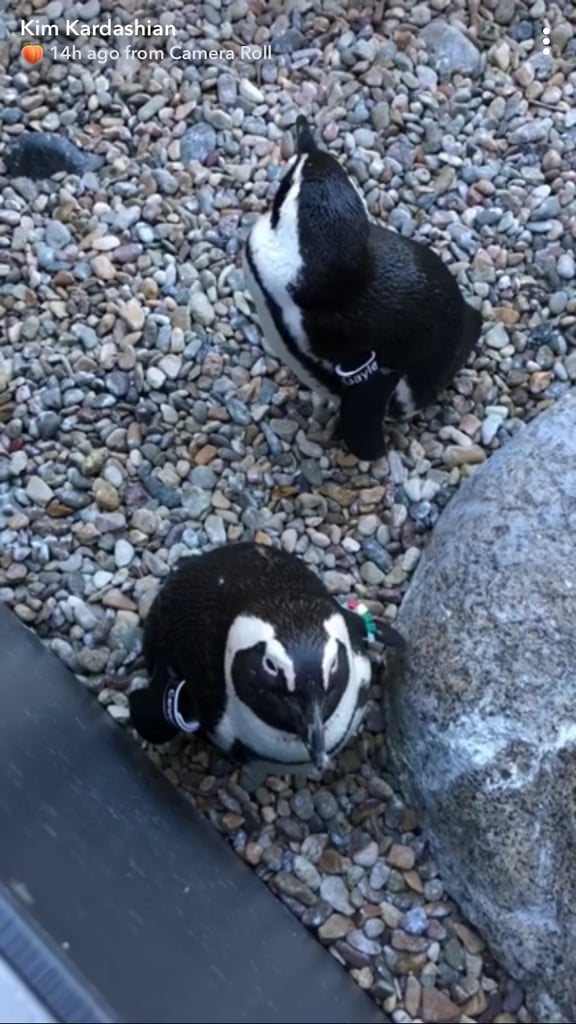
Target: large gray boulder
482	714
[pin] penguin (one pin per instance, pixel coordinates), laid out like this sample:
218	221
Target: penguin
245	644
354	309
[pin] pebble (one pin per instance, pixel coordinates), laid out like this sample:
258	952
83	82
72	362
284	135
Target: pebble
201	309
333	890
123	553
460	455
197	143
450	50
39	491
497	337
106	495
566	266
400	856
490	428
335	927
250	92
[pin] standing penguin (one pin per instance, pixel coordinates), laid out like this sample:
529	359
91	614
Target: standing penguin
245	643
374	318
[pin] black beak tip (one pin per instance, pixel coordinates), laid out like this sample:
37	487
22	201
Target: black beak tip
304	137
318	756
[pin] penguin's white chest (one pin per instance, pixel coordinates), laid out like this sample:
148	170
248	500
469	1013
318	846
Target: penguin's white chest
278	264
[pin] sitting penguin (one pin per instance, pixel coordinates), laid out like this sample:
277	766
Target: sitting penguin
245	643
351	307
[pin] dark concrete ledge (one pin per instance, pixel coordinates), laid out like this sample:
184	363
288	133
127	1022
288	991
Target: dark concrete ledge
125	905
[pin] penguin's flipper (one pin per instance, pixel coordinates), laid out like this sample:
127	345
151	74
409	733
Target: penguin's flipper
364	627
388	636
366	393
148	718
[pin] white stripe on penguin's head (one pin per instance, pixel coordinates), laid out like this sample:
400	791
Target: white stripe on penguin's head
275	248
329	658
247	631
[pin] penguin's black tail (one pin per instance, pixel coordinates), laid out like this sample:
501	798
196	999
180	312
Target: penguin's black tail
304	138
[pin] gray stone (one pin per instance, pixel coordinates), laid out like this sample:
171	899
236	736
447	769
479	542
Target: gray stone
48	424
201	309
57	234
333	890
123	553
288	41
227	89
530	131
450	51
481	712
203	477
197	143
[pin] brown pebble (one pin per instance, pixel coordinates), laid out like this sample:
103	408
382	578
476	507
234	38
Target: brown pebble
539	381
253	853
114	598
469	938
506	315
336	927
476	1004
469	424
437	1008
106	495
401	857
287	885
390	914
412	995
56	510
231	822
409	821
411	963
205	455
463	455
409	943
363	977
331	862
413	881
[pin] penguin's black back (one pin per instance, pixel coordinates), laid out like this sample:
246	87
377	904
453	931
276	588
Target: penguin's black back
188	622
408	307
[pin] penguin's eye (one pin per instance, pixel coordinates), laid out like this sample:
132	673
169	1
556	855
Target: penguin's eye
270	666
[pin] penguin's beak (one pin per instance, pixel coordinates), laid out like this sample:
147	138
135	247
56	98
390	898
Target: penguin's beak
315	739
304	138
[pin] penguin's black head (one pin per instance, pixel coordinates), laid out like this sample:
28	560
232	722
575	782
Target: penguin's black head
305	142
318	212
294	676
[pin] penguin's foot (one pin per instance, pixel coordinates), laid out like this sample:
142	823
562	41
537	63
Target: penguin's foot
366	393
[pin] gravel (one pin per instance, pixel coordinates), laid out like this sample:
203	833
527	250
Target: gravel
141	419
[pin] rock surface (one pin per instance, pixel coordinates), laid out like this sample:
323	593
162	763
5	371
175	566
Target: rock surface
482	714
